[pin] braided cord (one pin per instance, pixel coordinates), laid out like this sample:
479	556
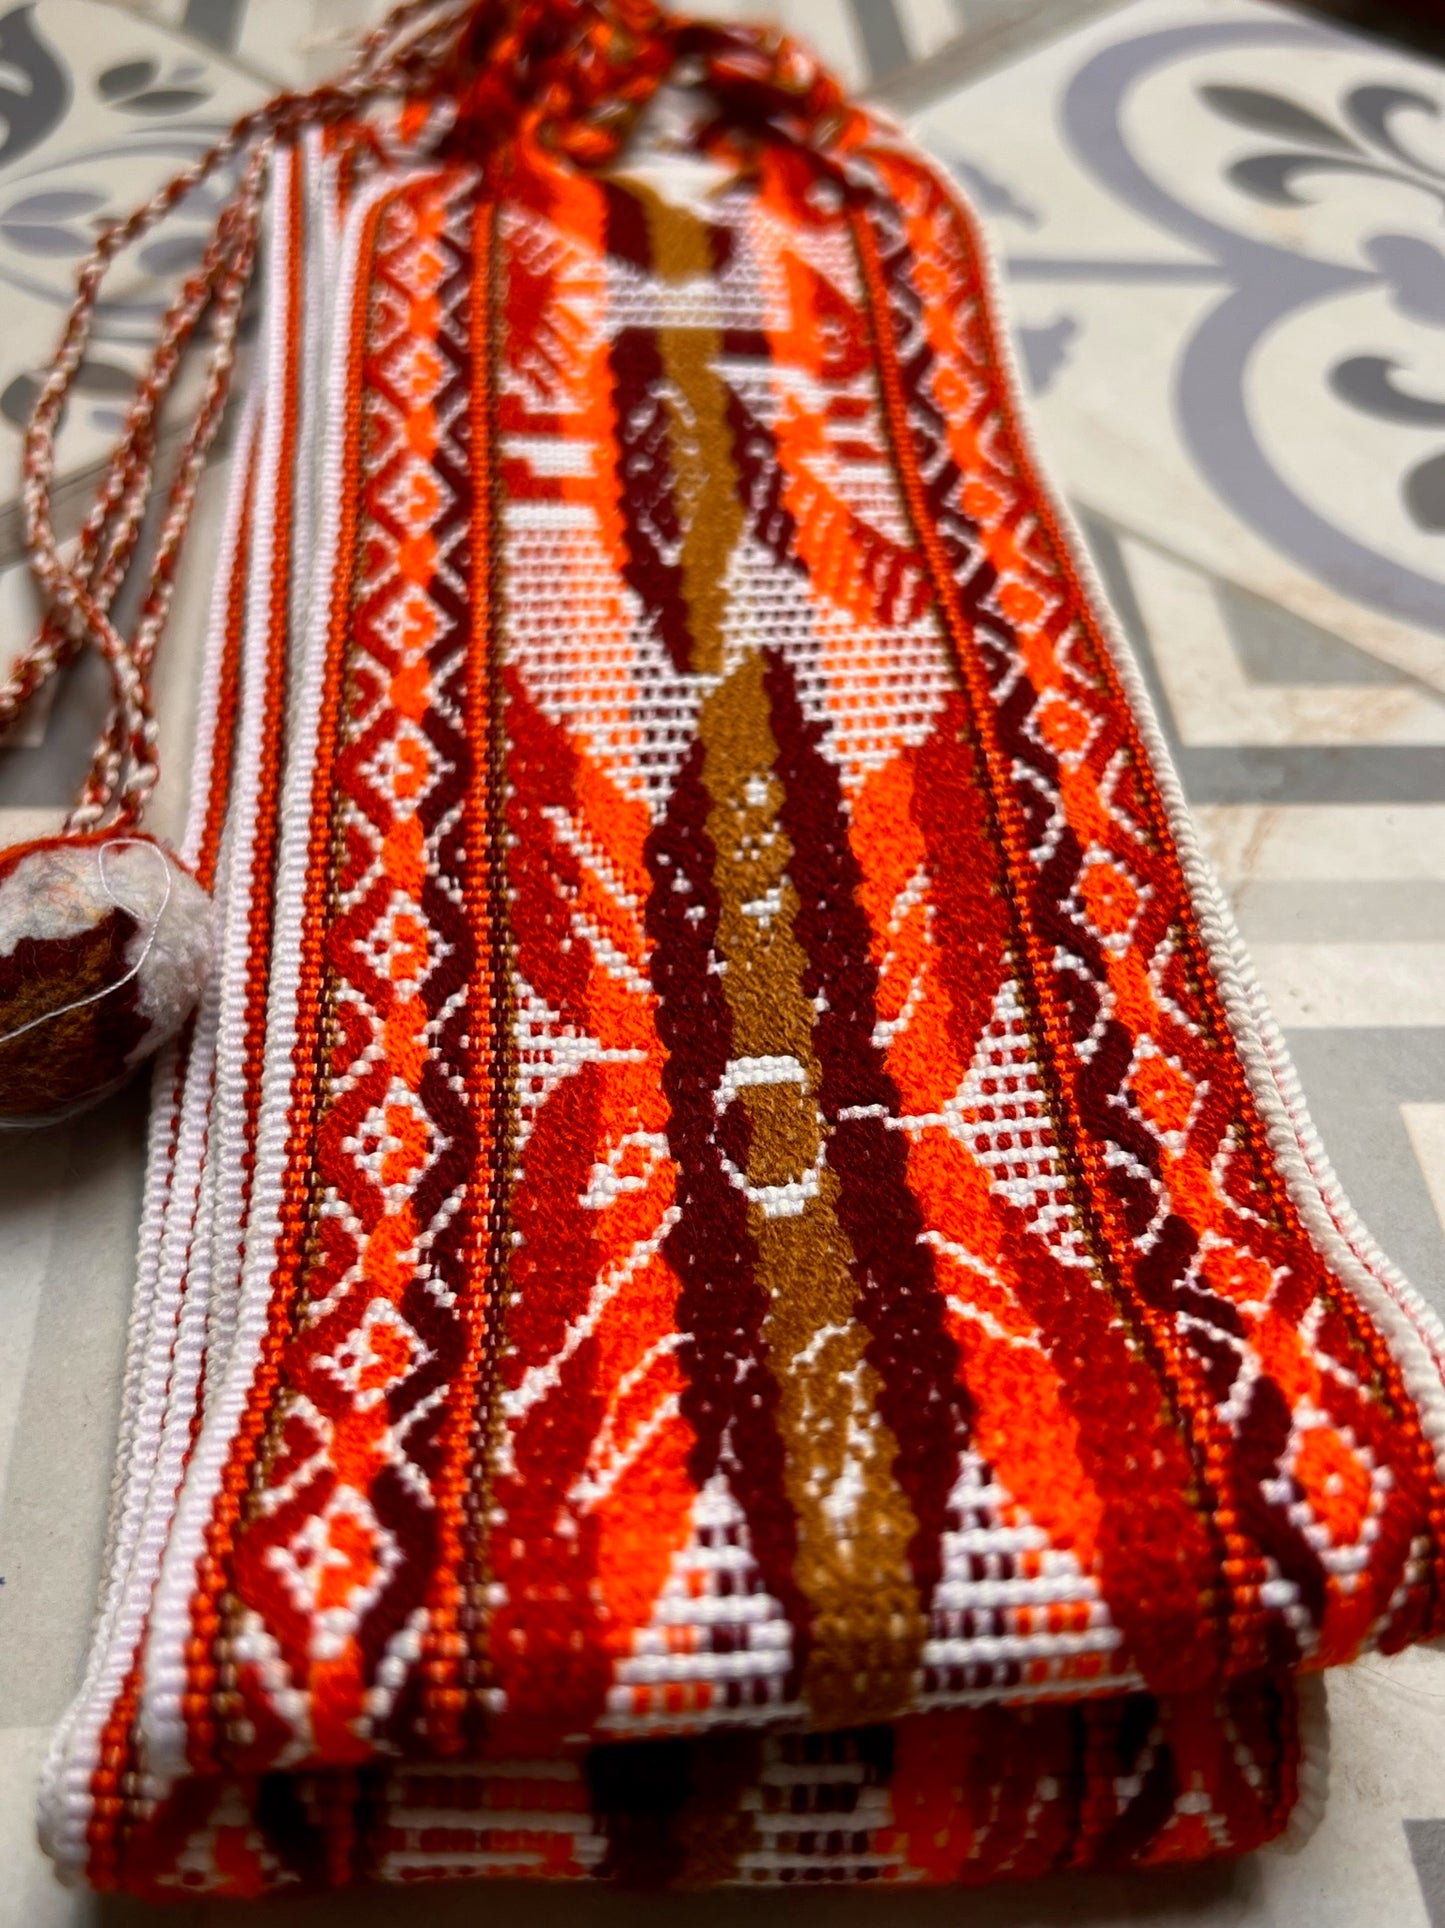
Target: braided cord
404	53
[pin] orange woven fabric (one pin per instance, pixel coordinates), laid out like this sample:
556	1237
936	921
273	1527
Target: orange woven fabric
736	1287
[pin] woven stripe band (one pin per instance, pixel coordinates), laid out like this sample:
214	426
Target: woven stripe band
734	1285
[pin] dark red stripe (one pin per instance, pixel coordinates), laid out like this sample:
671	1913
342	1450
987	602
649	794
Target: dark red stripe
721	1306
548	1633
443	1328
650	521
965	870
922	1398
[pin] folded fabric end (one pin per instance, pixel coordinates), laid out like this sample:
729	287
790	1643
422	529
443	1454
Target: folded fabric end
1312	1778
961	1798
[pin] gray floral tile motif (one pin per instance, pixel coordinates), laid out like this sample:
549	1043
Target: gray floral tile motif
97	107
1368	140
1427	1847
1395	280
38	90
1243	210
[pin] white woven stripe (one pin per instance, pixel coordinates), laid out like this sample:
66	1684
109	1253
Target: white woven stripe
223	1243
167	1306
318	226
175	1151
226	1115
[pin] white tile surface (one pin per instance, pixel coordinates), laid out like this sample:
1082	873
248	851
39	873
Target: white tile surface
1213	699
1324	840
1353	984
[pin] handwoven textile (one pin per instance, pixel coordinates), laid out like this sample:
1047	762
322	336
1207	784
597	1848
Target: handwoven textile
734	1286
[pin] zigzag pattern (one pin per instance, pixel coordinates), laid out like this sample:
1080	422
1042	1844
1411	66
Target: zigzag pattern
334	1559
